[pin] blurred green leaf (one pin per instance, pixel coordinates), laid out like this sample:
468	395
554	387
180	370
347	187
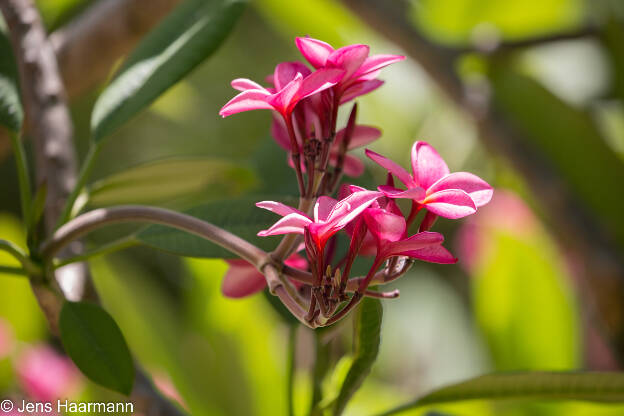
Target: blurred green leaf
524	305
240	217
95	343
11	114
167	179
568	139
367	340
589	386
192	32
458	21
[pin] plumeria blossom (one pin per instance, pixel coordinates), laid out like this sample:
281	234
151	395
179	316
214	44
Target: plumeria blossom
389	231
243	279
46	375
292	83
305	106
360	69
330	216
431	185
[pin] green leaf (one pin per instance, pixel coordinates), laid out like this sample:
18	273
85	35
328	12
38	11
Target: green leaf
367	340
11	114
240	217
169	52
585	386
95	343
168	179
517	284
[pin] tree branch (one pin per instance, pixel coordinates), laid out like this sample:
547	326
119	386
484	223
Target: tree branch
50	125
601	264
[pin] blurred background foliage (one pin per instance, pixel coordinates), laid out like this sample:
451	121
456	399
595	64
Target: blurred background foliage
515	300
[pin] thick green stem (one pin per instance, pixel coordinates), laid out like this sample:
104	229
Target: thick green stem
83	177
292	366
23	176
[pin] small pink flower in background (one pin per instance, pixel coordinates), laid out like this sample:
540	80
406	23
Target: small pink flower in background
291	86
360	69
243	279
330	216
166	387
6	339
449	195
46	375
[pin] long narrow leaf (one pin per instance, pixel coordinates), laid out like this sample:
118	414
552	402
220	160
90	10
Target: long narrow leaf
173	49
583	386
367	339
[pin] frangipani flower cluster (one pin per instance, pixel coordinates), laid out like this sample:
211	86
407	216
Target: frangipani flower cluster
305	103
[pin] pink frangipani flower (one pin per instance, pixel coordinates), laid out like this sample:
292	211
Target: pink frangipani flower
449	195
243	279
292	81
389	231
330	216
360	69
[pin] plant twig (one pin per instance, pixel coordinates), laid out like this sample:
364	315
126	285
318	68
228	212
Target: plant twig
92	220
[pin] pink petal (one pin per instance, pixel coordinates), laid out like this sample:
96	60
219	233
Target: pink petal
246	101
323	207
362	135
353	166
314	51
296	261
376	62
280	133
349	58
416	193
360	88
391	167
450	203
244	84
278	208
242	279
286	98
385	226
478	189
350	207
432	254
415	242
287	71
320	80
290	224
427	164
